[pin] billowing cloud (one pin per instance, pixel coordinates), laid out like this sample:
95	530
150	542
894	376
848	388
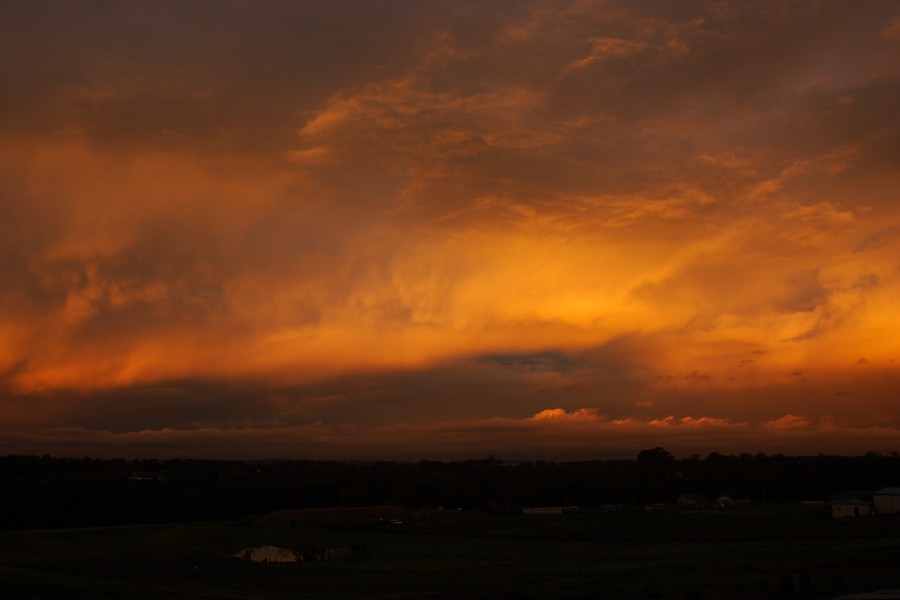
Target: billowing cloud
557	414
678	216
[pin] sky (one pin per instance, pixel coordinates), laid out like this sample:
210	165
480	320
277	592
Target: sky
408	230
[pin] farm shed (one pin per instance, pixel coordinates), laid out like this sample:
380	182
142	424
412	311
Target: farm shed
851	508
887	501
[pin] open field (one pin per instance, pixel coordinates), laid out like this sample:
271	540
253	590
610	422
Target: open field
450	554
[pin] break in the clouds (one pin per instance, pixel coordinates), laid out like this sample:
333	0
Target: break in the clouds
403	229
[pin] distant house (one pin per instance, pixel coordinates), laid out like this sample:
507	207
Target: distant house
851	508
887	501
851	504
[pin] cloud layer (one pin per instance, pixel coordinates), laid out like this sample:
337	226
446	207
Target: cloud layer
449	225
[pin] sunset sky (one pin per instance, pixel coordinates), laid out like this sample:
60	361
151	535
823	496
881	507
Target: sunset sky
396	229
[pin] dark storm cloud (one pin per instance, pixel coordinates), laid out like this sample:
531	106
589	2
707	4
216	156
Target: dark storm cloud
228	74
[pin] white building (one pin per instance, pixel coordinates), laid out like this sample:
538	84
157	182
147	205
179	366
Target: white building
851	508
887	501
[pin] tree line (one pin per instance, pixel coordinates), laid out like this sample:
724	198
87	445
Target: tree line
47	492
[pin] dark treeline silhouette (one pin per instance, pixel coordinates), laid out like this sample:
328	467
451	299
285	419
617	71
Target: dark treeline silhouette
47	492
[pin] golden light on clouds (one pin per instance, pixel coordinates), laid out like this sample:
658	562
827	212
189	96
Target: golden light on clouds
451	226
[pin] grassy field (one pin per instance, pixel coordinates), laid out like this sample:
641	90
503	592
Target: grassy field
446	554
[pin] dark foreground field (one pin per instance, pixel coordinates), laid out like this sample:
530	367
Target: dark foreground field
450	554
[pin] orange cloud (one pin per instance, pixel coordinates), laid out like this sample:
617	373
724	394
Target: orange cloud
558	414
789	422
607	48
656	213
671	421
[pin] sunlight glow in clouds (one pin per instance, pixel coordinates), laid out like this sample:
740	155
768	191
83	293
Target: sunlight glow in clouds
379	221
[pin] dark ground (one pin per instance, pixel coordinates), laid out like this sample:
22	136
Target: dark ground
778	552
